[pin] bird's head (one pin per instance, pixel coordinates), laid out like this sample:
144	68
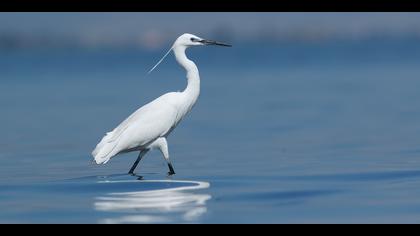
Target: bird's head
189	40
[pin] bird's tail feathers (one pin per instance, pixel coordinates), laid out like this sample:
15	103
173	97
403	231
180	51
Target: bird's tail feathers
104	141
104	151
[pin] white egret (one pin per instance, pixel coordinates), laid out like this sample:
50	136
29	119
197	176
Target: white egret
149	126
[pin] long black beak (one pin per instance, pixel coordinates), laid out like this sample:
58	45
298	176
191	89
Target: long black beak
212	42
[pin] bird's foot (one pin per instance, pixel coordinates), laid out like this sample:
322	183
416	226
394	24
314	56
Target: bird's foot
139	177
171	169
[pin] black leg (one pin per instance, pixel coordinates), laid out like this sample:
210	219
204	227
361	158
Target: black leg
171	169
141	155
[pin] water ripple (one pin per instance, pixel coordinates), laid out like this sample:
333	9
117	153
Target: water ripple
165	205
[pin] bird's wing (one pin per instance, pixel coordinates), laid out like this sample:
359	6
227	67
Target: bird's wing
149	122
152	124
159	113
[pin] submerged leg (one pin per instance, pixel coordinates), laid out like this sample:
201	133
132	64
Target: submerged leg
141	155
163	147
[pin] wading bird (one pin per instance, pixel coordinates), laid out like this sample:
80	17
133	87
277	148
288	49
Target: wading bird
148	127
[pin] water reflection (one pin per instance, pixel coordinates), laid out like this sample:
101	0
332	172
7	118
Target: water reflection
172	201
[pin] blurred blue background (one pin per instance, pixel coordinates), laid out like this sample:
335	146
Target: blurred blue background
310	117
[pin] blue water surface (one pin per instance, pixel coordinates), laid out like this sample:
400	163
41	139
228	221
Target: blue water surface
292	132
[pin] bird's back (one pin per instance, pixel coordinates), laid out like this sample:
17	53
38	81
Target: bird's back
151	121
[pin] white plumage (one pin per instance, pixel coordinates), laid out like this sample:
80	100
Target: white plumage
148	127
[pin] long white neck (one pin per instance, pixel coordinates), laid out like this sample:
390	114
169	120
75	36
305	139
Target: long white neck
193	88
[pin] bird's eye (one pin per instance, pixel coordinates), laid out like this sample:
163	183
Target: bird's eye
193	39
